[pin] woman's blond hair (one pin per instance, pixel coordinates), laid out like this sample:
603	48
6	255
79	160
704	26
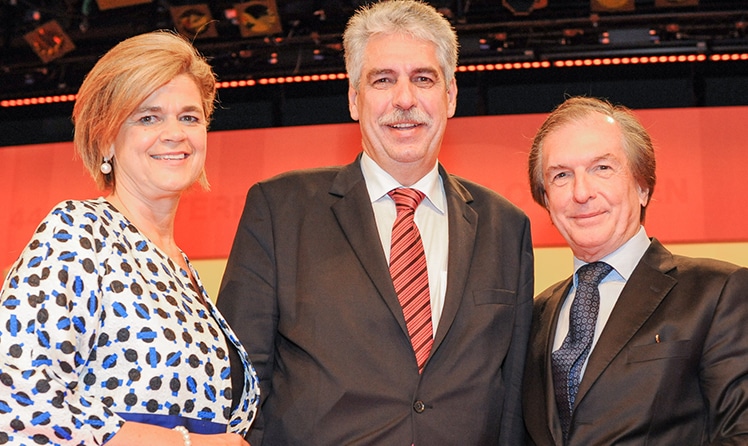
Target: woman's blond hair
121	80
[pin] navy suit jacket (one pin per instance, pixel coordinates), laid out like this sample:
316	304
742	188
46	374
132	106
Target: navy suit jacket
308	291
670	367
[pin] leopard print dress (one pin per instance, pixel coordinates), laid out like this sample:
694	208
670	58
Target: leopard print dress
98	327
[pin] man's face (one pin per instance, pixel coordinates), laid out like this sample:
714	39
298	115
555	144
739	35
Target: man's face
402	105
591	194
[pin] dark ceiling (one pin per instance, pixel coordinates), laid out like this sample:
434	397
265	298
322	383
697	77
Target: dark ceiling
310	38
490	31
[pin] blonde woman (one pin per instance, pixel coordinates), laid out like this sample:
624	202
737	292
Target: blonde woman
106	332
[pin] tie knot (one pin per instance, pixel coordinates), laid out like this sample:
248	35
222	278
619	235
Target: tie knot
406	198
593	273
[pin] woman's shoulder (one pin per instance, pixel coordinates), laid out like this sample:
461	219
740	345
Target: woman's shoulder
97	206
92	219
79	213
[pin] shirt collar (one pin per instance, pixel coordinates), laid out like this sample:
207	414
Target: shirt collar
379	183
624	259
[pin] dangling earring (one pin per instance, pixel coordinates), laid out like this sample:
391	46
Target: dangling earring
105	167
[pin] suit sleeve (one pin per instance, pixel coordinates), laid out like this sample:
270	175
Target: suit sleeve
512	428
724	366
247	296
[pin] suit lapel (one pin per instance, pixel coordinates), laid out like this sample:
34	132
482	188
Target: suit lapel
463	223
546	334
355	216
641	295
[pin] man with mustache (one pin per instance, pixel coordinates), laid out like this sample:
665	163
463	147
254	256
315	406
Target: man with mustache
358	337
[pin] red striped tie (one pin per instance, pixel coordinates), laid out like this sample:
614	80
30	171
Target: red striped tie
409	274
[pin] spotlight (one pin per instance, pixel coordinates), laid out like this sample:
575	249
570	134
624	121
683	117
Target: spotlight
523	7
110	4
194	21
611	5
49	41
258	18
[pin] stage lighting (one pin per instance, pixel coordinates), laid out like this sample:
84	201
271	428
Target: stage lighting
523	7
258	18
111	4
194	21
611	5
49	41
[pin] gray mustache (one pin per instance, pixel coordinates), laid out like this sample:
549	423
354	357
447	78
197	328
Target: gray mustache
413	115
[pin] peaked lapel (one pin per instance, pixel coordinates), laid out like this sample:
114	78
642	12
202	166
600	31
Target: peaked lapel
355	216
640	297
463	224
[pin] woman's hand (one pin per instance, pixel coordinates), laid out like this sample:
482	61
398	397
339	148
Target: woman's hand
140	433
217	440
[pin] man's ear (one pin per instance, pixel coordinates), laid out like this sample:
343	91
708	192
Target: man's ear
643	195
352	105
452	98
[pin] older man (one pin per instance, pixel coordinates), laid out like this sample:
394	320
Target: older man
640	346
385	302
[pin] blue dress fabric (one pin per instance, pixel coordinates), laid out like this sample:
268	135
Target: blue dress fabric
98	326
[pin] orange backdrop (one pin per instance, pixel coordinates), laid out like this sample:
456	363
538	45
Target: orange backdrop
700	195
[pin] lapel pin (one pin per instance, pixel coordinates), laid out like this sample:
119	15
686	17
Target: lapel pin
657	338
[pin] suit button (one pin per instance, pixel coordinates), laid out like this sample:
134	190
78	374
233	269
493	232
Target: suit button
419	407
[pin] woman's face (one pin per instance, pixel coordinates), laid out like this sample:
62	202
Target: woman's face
161	147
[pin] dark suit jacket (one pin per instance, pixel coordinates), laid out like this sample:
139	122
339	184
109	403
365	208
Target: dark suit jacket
307	289
691	388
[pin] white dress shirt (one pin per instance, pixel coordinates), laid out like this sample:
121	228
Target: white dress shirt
430	217
623	260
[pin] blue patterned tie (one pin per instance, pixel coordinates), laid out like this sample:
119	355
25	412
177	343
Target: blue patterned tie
567	361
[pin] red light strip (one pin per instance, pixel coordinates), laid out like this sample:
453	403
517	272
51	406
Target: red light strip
282	80
728	57
36	101
599	61
503	66
634	60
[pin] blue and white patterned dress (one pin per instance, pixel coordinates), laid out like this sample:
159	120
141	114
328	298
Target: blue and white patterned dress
97	326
